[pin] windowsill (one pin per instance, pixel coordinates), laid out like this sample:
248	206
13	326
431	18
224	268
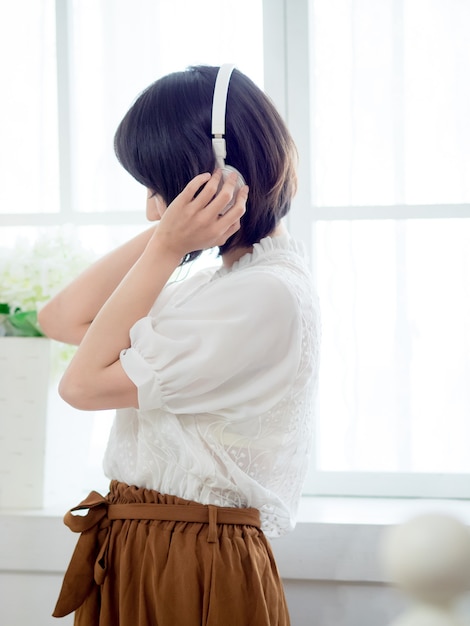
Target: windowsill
339	539
375	511
336	539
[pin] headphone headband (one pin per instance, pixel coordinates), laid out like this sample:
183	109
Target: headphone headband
219	105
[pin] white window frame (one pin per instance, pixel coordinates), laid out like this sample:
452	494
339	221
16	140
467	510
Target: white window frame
67	214
287	80
288	59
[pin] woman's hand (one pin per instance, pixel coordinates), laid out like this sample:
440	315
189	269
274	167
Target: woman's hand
195	222
95	378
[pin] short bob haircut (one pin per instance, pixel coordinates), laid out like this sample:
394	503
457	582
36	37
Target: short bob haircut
165	140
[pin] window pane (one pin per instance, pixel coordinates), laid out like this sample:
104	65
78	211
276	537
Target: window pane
352	136
437	54
394	393
28	108
119	50
390	96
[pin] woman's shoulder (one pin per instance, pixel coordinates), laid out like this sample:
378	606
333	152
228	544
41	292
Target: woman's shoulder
275	276
281	257
280	263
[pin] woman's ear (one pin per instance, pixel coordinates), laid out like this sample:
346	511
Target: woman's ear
155	206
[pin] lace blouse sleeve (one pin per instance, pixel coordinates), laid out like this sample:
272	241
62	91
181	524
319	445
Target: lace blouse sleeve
233	349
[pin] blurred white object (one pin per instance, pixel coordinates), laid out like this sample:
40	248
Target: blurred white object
429	559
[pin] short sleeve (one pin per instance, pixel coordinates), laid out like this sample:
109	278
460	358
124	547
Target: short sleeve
232	349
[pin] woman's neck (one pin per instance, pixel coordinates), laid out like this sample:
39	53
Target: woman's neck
232	256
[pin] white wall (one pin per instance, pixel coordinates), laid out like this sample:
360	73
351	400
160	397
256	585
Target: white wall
330	603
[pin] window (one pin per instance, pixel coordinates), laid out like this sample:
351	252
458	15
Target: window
386	185
376	95
77	67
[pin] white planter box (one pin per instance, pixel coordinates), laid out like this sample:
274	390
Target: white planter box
24	380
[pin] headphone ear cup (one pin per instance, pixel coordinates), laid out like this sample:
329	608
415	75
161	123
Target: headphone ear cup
227	170
240	182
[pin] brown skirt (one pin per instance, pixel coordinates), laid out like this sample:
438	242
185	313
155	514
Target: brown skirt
130	569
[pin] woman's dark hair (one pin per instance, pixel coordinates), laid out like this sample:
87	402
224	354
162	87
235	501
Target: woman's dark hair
165	140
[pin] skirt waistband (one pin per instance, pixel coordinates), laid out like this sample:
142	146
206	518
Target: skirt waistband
202	513
89	560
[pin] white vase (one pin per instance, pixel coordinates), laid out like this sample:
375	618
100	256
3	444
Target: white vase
24	380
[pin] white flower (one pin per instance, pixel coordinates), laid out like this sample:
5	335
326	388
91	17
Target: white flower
31	273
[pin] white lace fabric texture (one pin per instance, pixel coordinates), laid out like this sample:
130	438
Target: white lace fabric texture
226	366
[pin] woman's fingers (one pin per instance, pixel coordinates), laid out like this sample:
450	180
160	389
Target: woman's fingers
230	221
197	222
238	207
209	191
194	186
217	193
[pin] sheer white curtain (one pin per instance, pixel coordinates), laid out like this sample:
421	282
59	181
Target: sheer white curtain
391	139
70	70
28	120
119	48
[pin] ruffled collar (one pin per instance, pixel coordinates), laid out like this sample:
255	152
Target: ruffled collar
264	247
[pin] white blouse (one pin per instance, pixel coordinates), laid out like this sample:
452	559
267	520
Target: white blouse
226	366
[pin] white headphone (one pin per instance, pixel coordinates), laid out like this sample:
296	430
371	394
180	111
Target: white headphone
219	106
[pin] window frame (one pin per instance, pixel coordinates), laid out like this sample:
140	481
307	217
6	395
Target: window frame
287	61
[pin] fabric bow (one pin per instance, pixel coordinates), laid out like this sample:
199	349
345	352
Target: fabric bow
88	564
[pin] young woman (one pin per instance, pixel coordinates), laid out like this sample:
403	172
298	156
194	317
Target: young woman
213	377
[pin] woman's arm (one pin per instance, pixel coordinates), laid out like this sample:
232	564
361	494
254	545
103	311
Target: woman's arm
68	315
95	378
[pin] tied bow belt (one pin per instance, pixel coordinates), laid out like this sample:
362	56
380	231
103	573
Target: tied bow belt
89	560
